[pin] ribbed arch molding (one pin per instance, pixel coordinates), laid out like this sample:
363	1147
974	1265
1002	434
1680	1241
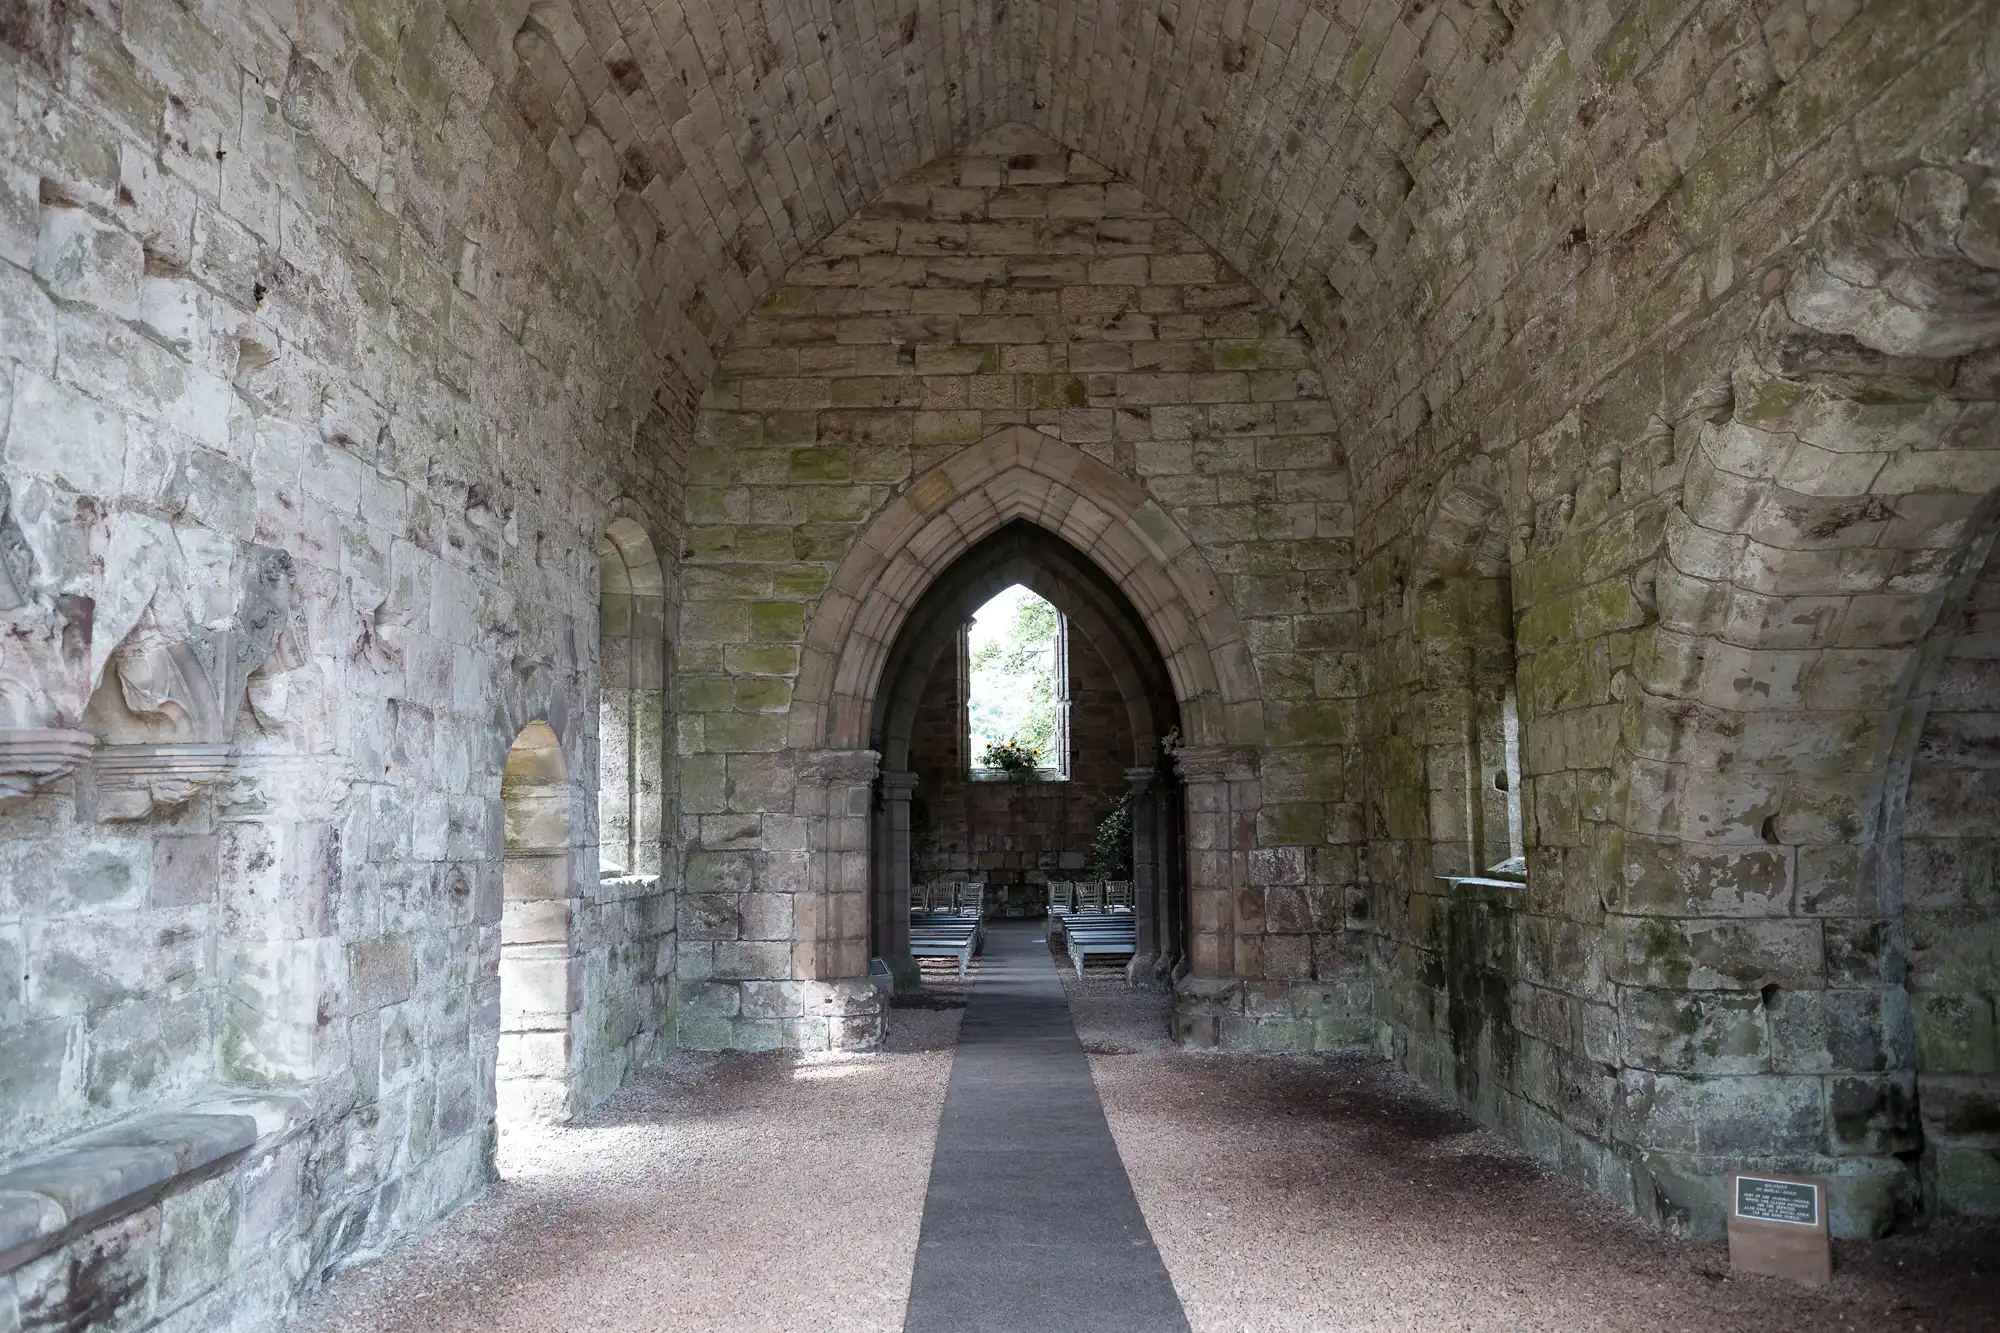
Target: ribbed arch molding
1018	474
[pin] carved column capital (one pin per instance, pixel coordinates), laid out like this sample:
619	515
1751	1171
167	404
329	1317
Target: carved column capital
839	767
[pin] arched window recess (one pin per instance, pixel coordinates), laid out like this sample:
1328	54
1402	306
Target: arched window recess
1014	674
1463	618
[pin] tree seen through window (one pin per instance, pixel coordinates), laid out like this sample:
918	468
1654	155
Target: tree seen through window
1017	681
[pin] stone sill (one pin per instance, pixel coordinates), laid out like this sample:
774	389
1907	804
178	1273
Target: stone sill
1483	881
96	1178
1002	775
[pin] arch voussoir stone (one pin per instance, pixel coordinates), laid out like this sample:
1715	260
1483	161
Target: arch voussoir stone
1020	473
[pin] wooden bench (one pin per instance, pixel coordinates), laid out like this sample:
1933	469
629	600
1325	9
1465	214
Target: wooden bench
1089	905
1095	920
1111	935
940	935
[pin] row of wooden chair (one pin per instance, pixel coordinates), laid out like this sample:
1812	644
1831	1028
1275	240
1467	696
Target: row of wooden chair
1099	934
951	897
1093	918
1067	896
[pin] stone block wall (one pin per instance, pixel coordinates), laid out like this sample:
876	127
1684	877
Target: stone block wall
1012	283
313	411
1009	832
1704	967
1623	268
1949	886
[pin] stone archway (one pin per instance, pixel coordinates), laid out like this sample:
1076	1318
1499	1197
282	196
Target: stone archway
1107	638
1022	474
1461	612
1018	474
633	651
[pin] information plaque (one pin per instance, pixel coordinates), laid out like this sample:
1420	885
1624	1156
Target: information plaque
1777	1226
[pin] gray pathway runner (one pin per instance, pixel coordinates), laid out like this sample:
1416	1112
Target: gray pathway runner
1030	1224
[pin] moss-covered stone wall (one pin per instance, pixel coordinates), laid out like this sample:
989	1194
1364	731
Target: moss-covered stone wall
1012	283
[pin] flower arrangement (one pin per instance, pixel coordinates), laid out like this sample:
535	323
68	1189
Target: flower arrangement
1012	758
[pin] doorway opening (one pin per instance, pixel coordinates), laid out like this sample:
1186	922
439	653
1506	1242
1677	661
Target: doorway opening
539	1001
1024	642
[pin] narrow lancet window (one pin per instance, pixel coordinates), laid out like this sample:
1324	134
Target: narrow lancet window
1500	753
1017	688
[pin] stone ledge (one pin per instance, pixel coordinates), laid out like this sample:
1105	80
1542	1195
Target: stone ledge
98	1177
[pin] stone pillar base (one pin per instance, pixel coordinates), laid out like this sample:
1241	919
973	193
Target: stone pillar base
907	975
849	1014
842	1016
1143	970
1305	1016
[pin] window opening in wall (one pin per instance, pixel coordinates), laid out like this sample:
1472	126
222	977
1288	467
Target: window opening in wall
1504	773
1016	653
632	702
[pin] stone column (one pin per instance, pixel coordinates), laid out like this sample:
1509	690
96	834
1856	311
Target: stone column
1222	796
841	1007
1147	905
835	791
277	858
892	879
1170	874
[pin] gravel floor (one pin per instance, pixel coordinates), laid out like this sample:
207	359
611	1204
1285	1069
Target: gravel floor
724	1192
1329	1194
734	1192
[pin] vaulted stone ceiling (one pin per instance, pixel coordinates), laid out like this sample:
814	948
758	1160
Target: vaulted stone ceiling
716	143
1386	165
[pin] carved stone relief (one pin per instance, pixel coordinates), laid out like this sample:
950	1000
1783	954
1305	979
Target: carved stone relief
174	686
44	645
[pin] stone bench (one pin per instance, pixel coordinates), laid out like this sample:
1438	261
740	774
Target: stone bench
73	1188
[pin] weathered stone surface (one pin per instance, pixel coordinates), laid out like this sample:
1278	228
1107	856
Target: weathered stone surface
1650	360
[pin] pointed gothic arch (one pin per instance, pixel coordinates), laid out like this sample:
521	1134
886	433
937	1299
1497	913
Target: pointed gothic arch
1013	475
1021	474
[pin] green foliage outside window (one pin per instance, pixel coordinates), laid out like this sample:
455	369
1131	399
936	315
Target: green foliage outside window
1111	850
1013	706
